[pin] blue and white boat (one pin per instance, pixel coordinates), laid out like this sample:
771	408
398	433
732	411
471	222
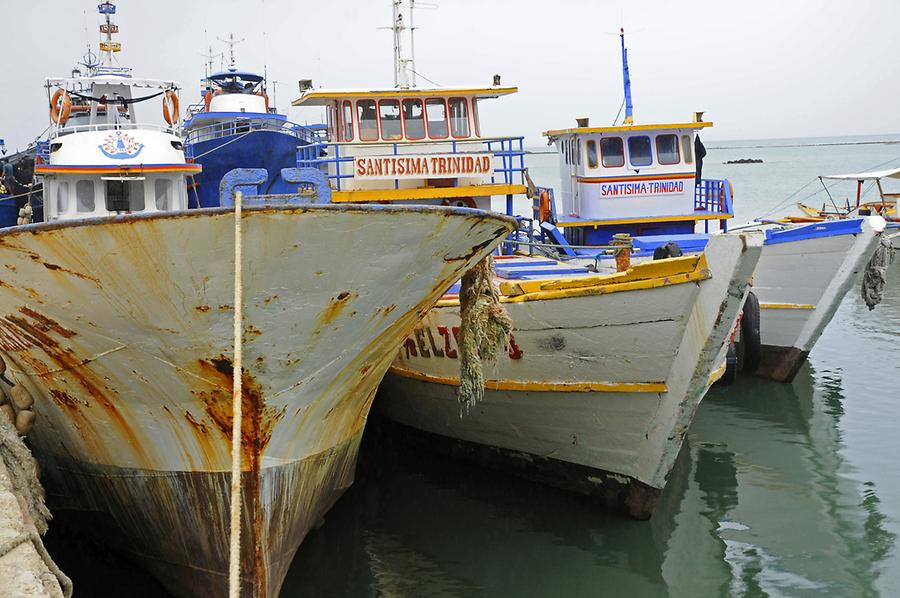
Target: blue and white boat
236	127
646	180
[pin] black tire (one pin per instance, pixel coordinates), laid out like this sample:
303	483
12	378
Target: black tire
750	339
670	249
731	367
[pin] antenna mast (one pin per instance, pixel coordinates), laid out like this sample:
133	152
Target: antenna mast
108	47
626	77
231	44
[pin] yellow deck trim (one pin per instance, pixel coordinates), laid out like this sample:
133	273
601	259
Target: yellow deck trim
717	374
364	195
626	128
787	306
640	220
641	387
310	97
642	276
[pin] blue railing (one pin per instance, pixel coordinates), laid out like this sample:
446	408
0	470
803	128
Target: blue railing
713	196
508	156
242	126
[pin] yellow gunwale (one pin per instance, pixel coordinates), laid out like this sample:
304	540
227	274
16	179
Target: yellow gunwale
564	224
717	373
787	306
642	276
363	195
519	385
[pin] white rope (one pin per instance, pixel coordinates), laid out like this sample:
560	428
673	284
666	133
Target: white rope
234	565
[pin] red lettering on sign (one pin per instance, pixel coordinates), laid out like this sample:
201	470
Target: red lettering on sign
410	347
450	352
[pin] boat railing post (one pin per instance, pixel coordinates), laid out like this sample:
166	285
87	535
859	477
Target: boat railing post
396	181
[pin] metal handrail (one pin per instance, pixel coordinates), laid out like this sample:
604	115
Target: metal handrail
247	125
320	154
66	130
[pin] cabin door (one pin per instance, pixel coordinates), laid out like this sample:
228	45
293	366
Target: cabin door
574	165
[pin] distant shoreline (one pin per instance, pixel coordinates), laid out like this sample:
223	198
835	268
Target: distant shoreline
823	144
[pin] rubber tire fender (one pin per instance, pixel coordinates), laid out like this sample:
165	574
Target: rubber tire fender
731	367
750	338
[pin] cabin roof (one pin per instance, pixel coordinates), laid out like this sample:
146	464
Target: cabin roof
112	80
323	97
893	173
246	75
626	128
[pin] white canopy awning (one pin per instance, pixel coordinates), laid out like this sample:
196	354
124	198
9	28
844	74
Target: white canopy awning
867	176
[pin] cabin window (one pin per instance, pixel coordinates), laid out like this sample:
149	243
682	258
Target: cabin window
62	197
578	151
639	151
667	149
687	149
459	117
162	189
125	196
565	150
612	152
475	117
84	197
389	111
348	120
592	153
436	115
414	119
368	120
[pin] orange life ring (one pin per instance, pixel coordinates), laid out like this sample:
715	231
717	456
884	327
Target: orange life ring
59	110
266	96
544	209
461	202
170	115
207	99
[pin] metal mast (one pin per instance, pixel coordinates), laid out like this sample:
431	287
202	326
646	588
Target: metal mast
626	77
231	44
108	47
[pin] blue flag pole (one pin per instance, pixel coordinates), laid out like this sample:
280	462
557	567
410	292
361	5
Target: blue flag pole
629	119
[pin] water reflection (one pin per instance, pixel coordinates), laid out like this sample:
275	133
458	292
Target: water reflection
761	502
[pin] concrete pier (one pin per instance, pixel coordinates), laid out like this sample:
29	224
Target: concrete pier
25	567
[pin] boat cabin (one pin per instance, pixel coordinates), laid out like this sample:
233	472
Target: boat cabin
413	144
106	161
636	179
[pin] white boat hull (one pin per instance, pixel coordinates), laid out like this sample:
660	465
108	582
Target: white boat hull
800	285
598	391
122	331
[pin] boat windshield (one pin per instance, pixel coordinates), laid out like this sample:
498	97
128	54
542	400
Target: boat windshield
237	82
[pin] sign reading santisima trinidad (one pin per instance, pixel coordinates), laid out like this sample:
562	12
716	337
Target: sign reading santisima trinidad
432	166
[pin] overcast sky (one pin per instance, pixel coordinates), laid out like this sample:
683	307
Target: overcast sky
760	69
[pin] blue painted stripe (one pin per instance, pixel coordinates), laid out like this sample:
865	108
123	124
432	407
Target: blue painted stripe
814	230
542	273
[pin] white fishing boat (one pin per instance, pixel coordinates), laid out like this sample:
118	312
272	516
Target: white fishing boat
604	369
117	316
885	205
645	180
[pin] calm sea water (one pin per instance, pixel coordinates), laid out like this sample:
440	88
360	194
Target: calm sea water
779	490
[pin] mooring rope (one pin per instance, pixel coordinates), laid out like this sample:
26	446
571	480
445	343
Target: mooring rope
234	562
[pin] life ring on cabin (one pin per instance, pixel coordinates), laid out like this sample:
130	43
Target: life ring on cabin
266	96
544	207
207	99
60	107
170	114
460	202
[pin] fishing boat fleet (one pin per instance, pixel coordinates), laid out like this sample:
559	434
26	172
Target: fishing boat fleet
218	301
